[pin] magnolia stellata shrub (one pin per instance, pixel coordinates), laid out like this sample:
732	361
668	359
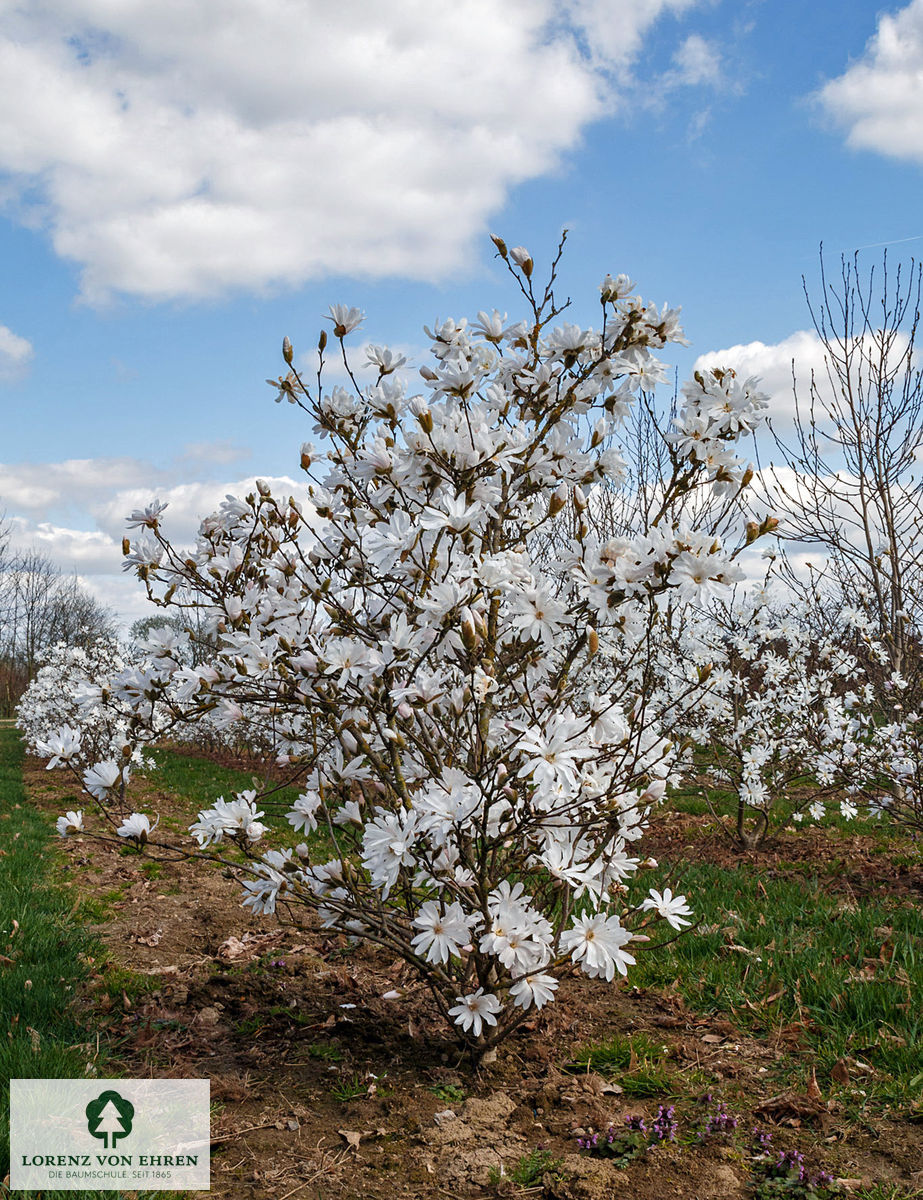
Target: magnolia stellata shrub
884	734
776	714
467	803
69	715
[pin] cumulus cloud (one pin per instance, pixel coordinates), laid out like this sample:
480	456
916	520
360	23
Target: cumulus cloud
878	100
38	489
796	360
772	364
103	493
613	31
187	504
86	551
177	150
15	353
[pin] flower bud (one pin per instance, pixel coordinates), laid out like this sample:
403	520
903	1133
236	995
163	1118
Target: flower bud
523	259
558	499
126	546
579	498
500	244
468	630
322	341
592	641
287	353
753	532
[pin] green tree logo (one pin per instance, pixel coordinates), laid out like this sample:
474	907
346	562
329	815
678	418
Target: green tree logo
109	1116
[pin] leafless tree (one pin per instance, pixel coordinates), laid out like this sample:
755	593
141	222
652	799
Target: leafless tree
39	605
853	487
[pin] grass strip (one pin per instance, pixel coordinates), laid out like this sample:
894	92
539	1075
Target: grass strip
44	950
788	958
45	955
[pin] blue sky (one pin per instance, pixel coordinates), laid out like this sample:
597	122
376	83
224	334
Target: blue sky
182	184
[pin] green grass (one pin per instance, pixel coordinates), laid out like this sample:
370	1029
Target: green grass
635	1061
349	1089
530	1169
40	1034
51	953
201	781
198	782
785	954
99	909
325	1052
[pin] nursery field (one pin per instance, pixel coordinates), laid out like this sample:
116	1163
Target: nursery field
788	1021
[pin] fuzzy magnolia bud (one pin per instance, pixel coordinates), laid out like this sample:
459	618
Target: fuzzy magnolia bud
262	487
579	499
558	499
426	420
747	477
500	244
592	642
322	341
769	525
468	630
753	532
305	458
126	546
287	352
523	259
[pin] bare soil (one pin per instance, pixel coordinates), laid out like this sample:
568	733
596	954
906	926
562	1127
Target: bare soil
289	1023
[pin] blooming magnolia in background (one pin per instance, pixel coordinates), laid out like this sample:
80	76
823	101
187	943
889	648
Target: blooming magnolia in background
776	714
425	672
86	709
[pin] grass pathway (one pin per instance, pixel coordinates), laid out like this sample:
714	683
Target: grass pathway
44	950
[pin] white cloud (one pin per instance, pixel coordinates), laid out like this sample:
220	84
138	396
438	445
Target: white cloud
187	504
796	360
221	452
103	492
39	488
182	150
772	364
91	552
15	353
697	62
879	98
614	30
